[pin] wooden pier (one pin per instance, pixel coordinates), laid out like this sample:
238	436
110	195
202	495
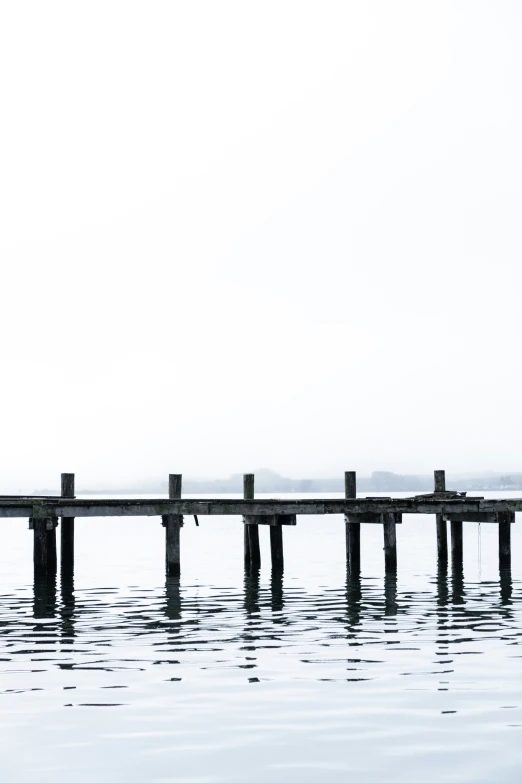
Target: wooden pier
44	513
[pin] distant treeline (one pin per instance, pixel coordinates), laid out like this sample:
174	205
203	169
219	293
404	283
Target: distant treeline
379	481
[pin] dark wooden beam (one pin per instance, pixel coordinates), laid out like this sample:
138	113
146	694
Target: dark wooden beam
276	547
44	546
505	520
352	527
140	507
248	494
390	541
251	528
442	528
67	528
173	523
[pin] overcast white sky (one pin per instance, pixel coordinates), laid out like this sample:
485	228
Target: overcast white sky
247	234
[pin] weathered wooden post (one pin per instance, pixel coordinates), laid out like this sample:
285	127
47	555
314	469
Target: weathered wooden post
276	544
353	529
442	533
456	544
390	540
505	518
173	524
67	530
252	551
44	548
248	494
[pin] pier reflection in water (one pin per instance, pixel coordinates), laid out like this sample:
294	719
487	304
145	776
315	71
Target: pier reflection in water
265	676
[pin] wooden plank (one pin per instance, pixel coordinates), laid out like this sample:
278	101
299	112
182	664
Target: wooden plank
368	518
484	517
272	520
67	527
227	506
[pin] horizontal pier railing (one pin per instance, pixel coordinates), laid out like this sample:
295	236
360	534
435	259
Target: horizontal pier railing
44	512
477	510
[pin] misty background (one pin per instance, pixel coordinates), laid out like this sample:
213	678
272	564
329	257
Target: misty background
239	234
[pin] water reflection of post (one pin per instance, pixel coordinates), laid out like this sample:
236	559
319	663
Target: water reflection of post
276	586
390	591
252	607
442	639
172	598
44	595
252	591
353	595
67	608
442	582
506	585
457	579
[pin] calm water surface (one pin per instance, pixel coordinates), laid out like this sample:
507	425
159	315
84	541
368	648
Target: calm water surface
120	675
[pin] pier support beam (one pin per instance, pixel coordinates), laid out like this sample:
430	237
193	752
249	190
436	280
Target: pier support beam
276	545
456	544
44	550
353	529
505	518
251	532
248	494
442	532
67	528
390	541
173	524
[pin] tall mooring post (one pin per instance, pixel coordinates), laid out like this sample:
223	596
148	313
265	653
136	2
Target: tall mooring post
353	529
67	528
173	524
442	533
251	530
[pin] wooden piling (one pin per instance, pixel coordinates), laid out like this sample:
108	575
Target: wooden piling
442	532
67	528
276	546
251	534
505	518
248	494
44	548
173	523
456	544
353	529
390	541
52	524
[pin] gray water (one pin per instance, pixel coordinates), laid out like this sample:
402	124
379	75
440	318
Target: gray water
121	675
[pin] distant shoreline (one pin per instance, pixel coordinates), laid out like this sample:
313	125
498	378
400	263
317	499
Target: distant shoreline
269	481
